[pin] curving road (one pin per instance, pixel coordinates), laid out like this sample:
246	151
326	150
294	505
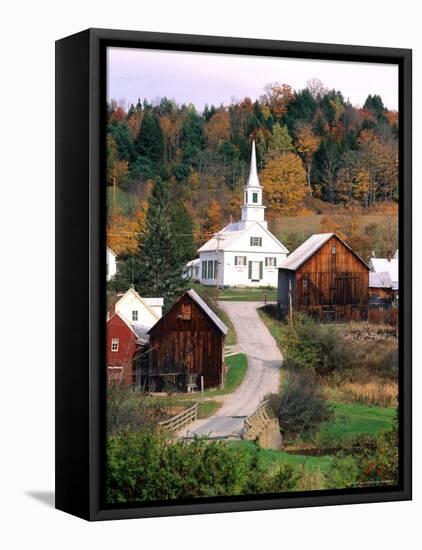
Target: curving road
262	376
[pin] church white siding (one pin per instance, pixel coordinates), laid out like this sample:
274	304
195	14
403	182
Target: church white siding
244	253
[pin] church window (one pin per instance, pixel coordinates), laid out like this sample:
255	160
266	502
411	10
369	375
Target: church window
255	198
204	270
256	241
271	262
210	274
240	260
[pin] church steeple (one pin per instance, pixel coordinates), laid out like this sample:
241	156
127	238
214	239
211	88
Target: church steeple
253	209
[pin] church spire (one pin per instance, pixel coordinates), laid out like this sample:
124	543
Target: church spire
253	180
253	209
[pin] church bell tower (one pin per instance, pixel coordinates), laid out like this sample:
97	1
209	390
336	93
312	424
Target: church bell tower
253	209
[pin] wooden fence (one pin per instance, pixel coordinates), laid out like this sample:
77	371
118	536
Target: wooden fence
256	422
180	420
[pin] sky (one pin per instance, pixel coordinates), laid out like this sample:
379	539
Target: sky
201	78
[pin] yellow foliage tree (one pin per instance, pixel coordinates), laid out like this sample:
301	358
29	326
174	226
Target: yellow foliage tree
213	221
122	231
284	181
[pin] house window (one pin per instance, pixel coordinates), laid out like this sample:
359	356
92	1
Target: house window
240	260
186	312
204	270
114	344
255	197
134	315
256	241
271	262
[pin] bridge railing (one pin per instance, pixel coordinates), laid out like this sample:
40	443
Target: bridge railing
256	421
180	420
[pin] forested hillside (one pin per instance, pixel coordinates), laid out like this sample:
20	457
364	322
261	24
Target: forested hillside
330	164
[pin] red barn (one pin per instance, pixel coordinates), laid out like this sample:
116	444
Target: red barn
121	348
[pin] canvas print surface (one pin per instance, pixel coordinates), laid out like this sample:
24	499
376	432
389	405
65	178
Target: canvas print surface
252	276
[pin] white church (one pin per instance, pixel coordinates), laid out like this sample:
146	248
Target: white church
243	253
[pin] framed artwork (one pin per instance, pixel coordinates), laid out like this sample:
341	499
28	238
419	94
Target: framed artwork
233	276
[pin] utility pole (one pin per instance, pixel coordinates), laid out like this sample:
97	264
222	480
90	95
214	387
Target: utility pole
114	192
219	238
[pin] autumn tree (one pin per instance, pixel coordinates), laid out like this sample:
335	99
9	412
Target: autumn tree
284	181
277	97
213	220
217	129
307	144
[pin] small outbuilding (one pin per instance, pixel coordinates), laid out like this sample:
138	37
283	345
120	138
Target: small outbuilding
325	279
186	344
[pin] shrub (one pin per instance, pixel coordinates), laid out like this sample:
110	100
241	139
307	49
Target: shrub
146	466
316	347
299	406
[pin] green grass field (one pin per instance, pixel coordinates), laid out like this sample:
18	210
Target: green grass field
355	420
271	459
237	367
248	294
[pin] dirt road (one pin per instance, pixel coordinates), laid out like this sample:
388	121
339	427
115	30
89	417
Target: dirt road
262	377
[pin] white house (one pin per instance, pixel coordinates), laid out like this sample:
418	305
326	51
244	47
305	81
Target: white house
191	270
244	253
111	264
136	311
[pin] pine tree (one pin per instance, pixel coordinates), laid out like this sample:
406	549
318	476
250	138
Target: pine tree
156	267
182	230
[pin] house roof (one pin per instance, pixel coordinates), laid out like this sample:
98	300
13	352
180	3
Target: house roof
307	249
233	231
380	280
205	308
380	265
142	335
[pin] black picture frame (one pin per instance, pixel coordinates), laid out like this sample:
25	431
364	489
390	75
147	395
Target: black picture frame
80	270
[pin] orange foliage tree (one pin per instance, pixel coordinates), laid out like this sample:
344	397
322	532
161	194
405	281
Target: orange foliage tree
122	231
284	181
307	144
213	220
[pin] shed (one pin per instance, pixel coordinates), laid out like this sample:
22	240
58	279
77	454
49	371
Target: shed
324	278
187	343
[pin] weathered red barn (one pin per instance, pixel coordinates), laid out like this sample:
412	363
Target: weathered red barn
187	343
121	348
325	279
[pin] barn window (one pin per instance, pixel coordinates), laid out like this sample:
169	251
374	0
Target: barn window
134	315
240	260
305	283
333	250
186	312
271	262
114	344
256	241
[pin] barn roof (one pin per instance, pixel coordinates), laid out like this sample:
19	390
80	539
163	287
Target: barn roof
307	249
205	307
380	280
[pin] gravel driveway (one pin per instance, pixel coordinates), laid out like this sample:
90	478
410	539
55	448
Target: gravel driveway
262	376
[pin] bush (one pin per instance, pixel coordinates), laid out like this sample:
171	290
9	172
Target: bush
146	466
299	406
316	347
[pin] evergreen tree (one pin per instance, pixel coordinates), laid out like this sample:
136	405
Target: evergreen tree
182	230
150	141
156	267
